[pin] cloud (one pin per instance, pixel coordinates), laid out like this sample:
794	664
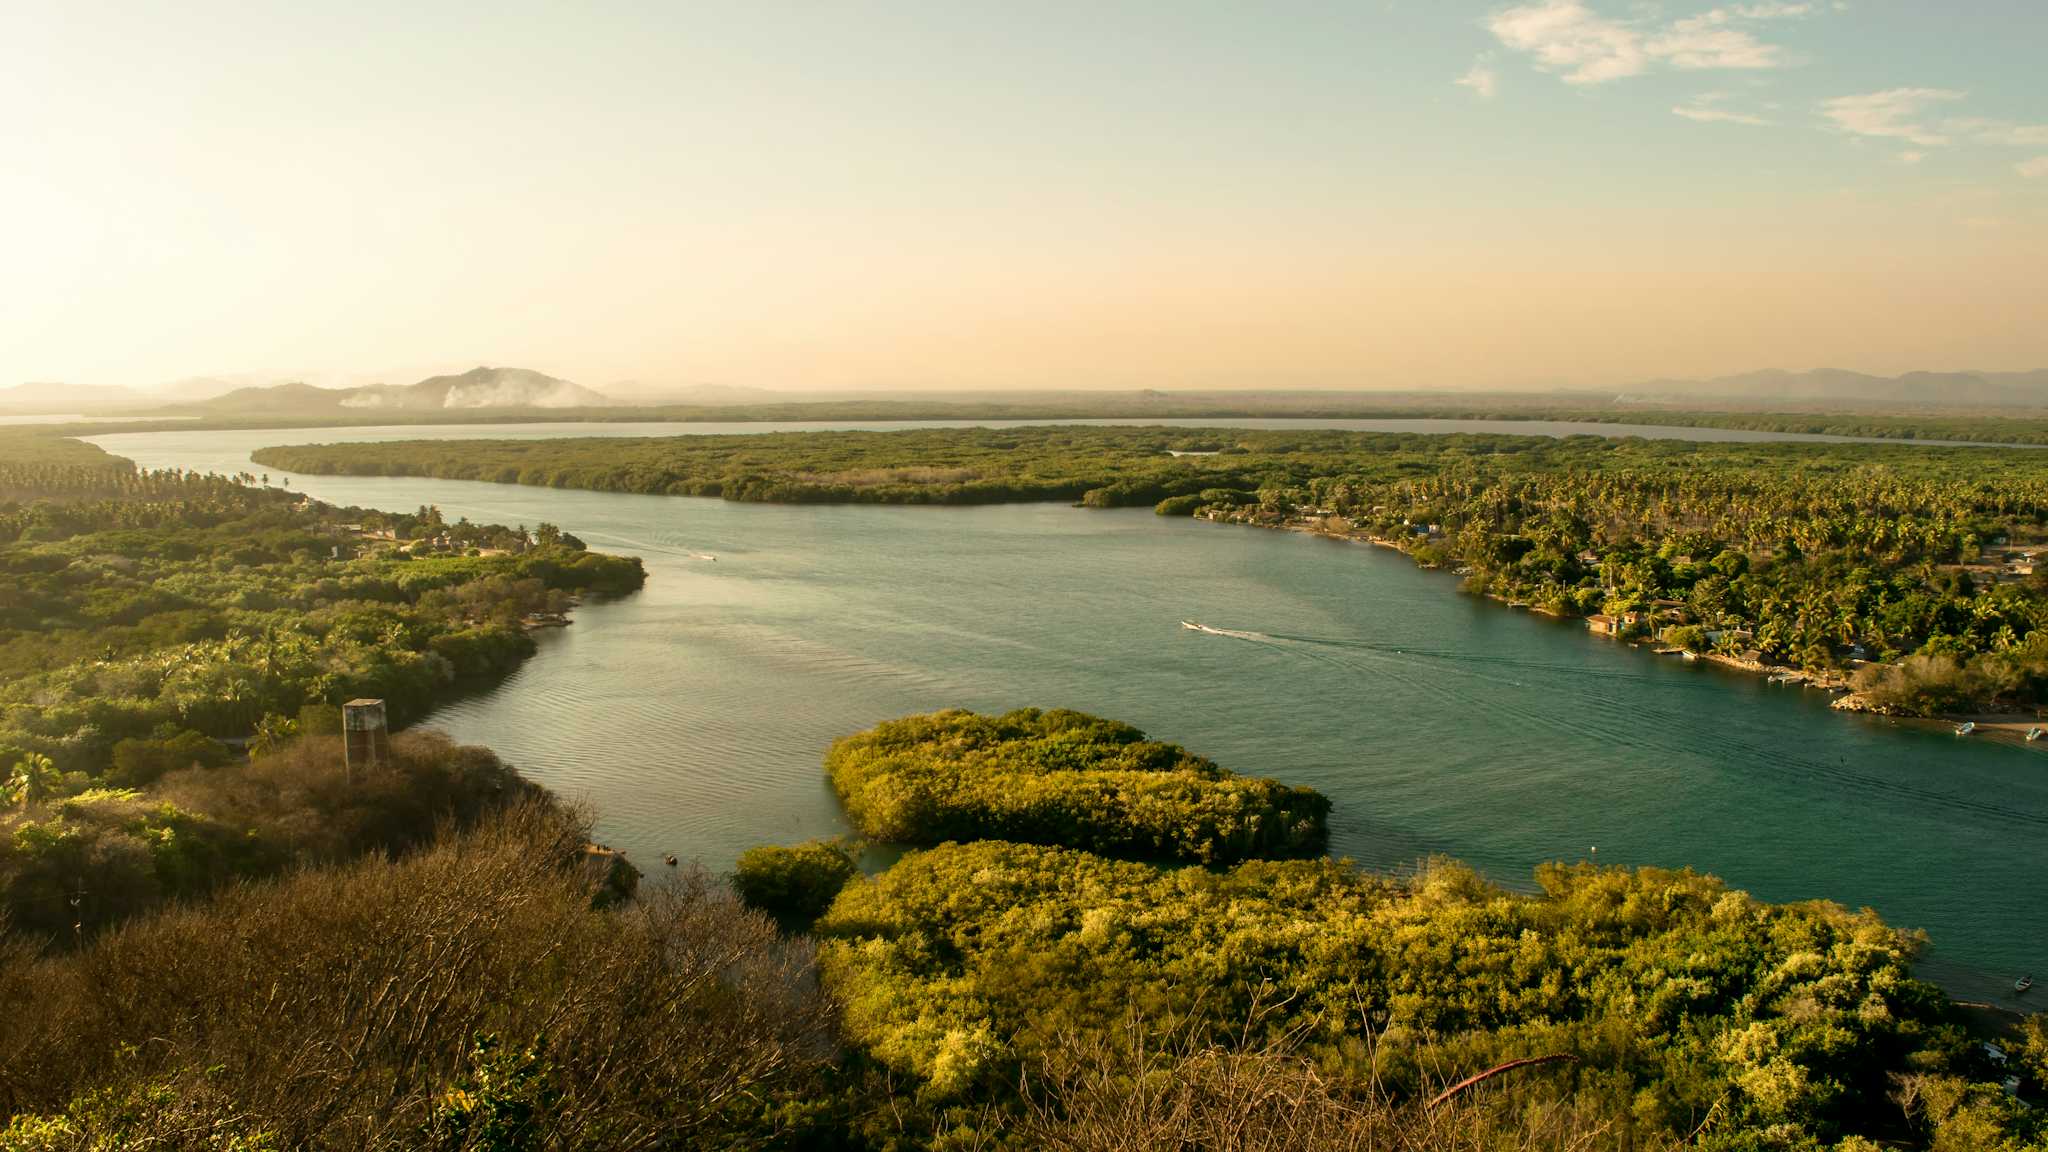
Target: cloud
2004	132
1710	41
1710	108
1569	38
1480	78
1893	114
1906	114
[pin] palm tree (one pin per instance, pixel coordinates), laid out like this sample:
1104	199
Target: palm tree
32	780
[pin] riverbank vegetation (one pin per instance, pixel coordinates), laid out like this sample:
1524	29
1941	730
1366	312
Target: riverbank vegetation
165	638
209	605
1824	558
1066	778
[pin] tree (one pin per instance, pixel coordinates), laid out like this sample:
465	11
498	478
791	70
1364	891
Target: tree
33	779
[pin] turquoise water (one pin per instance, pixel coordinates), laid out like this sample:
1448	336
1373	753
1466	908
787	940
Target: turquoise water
692	716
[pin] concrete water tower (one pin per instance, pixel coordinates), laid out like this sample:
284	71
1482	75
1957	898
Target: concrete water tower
365	734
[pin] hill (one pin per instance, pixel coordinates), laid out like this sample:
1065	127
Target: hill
1945	389
476	389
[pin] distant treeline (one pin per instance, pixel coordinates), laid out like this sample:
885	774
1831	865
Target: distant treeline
1932	421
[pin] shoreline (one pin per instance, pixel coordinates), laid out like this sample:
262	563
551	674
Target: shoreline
2000	727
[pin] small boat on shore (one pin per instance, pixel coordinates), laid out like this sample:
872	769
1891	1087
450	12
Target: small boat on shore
2033	734
1966	727
2022	984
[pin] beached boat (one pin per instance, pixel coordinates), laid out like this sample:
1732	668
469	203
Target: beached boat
1966	727
2033	734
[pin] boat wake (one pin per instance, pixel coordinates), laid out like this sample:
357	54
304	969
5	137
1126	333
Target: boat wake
1230	632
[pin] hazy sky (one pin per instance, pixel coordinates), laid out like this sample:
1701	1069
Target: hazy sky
965	193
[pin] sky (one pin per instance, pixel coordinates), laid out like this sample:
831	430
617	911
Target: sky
970	194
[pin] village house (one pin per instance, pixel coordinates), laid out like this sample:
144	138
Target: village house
1604	625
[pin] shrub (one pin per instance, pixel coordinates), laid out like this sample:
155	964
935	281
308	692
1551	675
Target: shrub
1065	778
465	993
964	964
797	882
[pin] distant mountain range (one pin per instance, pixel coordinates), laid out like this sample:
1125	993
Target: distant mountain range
1968	389
478	388
522	388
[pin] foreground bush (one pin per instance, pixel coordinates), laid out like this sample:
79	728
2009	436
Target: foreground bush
1132	1091
1063	778
797	882
467	996
1677	998
96	858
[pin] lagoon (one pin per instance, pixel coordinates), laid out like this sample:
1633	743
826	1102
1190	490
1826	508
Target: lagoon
693	715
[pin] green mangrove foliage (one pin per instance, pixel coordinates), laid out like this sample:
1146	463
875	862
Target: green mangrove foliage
797	882
1823	557
204	605
1686	1007
155	626
1061	777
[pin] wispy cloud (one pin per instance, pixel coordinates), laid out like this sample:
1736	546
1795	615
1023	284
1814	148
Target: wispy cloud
2001	132
1893	114
1480	78
1908	114
1712	40
1569	38
1712	108
2035	169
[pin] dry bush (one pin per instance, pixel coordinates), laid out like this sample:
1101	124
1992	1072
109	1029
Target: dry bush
1132	1092
465	996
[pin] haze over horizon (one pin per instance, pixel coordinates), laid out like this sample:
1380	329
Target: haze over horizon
1575	193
